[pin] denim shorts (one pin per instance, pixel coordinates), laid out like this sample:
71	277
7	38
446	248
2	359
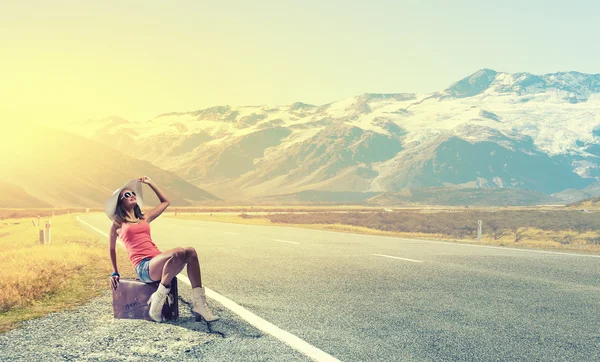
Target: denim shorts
143	270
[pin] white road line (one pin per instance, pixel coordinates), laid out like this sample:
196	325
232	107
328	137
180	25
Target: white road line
458	244
285	241
286	337
229	232
395	257
95	228
268	327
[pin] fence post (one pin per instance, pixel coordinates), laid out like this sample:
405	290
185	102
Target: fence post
42	236
479	230
48	235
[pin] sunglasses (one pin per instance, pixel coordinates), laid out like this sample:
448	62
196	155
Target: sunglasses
128	194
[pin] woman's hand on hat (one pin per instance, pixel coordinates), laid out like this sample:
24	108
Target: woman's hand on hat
145	180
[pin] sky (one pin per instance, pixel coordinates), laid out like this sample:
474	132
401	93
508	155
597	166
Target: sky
64	61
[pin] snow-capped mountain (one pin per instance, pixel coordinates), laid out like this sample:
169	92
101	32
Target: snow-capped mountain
488	130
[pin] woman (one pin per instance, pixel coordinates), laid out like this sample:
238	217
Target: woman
151	265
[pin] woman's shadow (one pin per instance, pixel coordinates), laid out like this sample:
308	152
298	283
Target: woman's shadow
228	324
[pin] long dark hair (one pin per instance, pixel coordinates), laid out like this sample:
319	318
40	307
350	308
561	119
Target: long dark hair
121	214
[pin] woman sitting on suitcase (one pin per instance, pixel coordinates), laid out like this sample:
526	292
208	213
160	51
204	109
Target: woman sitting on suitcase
151	265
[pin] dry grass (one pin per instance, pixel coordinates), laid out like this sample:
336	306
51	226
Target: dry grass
19	213
38	279
236	219
564	240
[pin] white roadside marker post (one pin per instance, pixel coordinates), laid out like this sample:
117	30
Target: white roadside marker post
48	236
479	230
40	230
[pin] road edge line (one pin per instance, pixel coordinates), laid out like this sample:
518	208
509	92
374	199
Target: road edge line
286	337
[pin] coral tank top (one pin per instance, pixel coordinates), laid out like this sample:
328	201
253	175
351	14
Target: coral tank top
138	241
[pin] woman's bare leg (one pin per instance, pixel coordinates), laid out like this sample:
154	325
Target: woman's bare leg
193	267
167	265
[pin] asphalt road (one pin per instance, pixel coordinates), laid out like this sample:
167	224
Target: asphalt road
363	298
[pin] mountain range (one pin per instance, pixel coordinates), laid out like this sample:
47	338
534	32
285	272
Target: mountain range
537	135
53	168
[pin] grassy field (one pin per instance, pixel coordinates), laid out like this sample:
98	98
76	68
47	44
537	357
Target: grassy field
39	279
544	237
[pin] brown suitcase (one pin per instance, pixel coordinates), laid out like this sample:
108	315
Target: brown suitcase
130	300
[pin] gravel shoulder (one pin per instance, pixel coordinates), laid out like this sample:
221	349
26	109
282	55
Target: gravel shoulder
90	333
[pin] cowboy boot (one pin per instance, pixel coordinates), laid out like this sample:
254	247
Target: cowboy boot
200	308
156	303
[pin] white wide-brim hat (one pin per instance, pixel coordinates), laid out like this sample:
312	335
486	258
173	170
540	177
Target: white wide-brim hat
110	206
